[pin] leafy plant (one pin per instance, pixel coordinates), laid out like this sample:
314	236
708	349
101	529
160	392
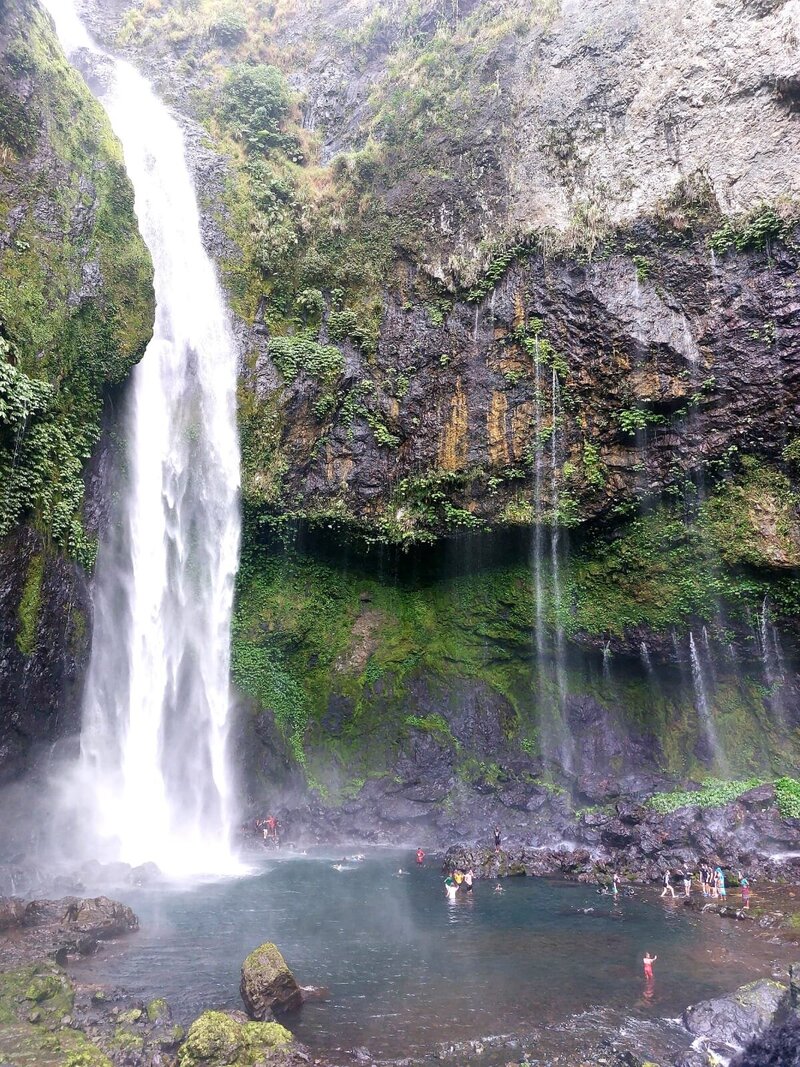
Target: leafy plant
787	793
714	794
255	101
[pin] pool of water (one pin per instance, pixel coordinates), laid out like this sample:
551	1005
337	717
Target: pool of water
406	968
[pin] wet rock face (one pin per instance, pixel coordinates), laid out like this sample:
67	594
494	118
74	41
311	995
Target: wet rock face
708	351
267	985
736	1019
40	682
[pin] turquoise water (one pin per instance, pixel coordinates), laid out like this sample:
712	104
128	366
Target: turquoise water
405	968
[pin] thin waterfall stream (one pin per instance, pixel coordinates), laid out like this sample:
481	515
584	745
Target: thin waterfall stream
153	766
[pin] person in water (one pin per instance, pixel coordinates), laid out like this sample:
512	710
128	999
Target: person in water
497	838
615	886
450	888
499	889
648	962
458	878
745	886
667	885
468	878
420	856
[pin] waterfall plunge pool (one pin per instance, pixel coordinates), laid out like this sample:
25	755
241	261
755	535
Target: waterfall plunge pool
406	969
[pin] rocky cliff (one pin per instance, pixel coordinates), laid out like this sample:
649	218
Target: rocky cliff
518	307
75	315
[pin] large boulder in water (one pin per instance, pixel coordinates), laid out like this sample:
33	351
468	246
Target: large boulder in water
268	986
736	1019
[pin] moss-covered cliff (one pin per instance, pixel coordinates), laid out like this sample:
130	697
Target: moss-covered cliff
497	270
76	311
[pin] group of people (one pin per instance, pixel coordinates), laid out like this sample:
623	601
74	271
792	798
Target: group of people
458	882
712	883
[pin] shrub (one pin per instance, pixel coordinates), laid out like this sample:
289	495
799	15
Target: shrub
787	793
255	101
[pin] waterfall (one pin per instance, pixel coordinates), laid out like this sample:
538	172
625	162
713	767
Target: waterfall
551	703
703	707
644	652
153	775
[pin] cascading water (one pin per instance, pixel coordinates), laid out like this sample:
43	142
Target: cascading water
153	769
703	707
550	663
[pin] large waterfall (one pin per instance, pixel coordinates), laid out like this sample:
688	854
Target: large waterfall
153	776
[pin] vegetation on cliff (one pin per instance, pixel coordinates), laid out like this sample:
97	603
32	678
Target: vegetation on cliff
336	647
76	300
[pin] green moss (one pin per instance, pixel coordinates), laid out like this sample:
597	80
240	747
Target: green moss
28	610
215	1039
59	352
158	1010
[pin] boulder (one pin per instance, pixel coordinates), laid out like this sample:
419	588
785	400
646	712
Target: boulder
218	1039
736	1019
100	918
268	986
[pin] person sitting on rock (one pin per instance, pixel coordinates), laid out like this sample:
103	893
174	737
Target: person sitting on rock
667	885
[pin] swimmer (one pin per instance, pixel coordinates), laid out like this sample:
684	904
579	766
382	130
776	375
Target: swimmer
400	871
357	859
499	889
339	867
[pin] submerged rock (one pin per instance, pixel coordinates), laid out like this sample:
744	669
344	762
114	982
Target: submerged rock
268	986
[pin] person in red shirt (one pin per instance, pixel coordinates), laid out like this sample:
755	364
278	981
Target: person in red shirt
420	856
648	962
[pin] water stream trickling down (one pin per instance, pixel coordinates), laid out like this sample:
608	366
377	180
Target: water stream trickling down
153	770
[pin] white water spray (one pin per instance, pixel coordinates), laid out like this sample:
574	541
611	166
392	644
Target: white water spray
153	768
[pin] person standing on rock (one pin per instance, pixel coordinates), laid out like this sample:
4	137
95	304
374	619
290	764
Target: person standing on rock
497	838
704	871
615	887
687	884
719	879
667	885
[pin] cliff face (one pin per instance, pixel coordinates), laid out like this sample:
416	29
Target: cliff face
497	270
75	315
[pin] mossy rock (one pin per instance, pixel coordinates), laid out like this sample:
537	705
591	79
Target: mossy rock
158	1010
218	1040
267	984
